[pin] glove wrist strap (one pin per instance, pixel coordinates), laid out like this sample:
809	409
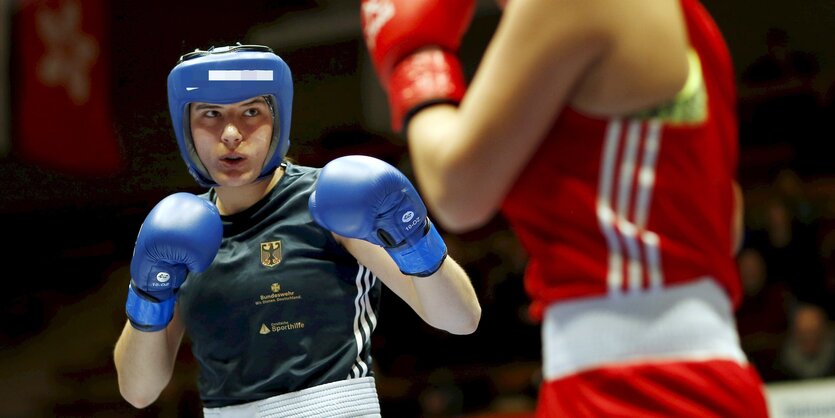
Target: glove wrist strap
148	316
423	258
429	76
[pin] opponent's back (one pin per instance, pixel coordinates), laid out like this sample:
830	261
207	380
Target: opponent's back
631	204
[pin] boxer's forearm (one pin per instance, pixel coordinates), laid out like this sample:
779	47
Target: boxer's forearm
449	300
144	363
445	300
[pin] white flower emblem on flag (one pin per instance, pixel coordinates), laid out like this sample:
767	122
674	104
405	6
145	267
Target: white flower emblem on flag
70	53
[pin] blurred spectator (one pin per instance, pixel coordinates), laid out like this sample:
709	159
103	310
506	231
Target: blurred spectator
791	253
792	190
809	351
827	145
762	316
781	70
828	256
780	105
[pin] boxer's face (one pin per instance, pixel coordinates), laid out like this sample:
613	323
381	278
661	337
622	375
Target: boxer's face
232	140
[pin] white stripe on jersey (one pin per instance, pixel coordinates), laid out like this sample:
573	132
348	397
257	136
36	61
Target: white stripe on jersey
605	215
627	221
627	228
364	320
646	182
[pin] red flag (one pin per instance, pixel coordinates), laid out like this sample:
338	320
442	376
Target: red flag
62	108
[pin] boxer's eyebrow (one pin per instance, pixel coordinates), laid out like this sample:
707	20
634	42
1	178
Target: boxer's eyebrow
254	100
202	106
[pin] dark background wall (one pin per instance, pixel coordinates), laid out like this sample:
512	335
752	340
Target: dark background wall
68	237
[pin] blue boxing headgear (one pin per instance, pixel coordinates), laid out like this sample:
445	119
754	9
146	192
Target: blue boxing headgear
227	75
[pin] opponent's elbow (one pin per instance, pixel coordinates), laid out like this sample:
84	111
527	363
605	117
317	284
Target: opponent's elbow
461	218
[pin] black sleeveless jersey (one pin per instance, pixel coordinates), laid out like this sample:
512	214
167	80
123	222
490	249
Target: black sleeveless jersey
283	307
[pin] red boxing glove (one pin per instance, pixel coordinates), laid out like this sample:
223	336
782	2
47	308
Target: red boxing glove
413	44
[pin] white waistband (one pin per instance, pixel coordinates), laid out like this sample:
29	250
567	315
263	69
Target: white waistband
687	322
343	399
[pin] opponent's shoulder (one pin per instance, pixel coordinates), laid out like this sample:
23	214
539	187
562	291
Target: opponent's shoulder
645	62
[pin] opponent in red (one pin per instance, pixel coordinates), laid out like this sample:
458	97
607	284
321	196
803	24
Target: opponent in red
605	132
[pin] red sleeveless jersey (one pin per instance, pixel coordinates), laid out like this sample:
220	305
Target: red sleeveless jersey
612	206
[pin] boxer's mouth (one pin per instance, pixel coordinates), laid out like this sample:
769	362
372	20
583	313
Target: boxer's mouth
232	159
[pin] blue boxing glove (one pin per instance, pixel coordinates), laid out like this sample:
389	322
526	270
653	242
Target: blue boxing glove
182	233
366	198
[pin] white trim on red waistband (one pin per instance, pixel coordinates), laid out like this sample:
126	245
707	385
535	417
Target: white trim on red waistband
687	322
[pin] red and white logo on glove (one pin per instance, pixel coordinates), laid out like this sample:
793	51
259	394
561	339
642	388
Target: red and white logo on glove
375	15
